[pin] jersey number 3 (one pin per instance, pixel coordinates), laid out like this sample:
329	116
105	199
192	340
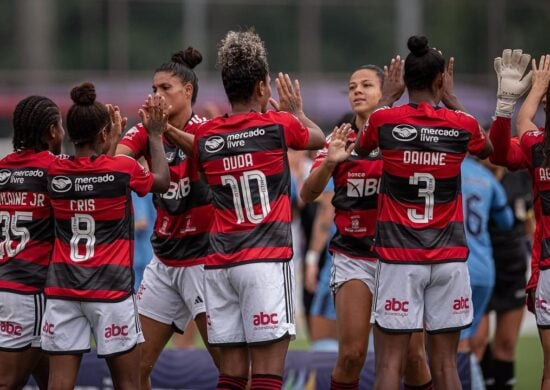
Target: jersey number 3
427	193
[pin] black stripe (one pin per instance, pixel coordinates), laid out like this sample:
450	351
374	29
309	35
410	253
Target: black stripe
181	248
136	316
105	231
35	331
285	287
39	229
22	183
393	235
289	291
272	234
42	308
173	201
271	140
108	189
277	185
449	144
545	249
357	246
445	191
24	272
545	202
342	201
104	277
376	287
537	155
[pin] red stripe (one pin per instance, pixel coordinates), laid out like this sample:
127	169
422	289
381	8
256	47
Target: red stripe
175	226
37	252
14	286
103	208
393	211
114	253
85	294
269	162
366	219
394	165
422	255
250	254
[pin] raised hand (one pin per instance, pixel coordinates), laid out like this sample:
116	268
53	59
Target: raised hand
290	97
449	98
394	85
337	150
154	115
541	75
118	123
512	83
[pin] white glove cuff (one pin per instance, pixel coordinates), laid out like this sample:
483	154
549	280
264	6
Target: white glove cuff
505	107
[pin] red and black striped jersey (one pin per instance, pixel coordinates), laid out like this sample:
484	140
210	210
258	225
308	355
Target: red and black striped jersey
420	217
94	229
26	223
244	159
356	185
184	212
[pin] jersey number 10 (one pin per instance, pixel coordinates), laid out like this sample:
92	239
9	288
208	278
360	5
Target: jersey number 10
243	186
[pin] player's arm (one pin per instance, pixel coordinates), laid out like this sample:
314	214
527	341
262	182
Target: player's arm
337	152
118	123
154	119
507	151
394	85
322	223
449	99
528	110
181	139
290	100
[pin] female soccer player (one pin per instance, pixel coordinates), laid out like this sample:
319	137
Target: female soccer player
532	150
356	182
89	287
27	239
422	277
249	276
172	293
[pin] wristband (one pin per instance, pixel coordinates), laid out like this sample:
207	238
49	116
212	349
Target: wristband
505	107
312	257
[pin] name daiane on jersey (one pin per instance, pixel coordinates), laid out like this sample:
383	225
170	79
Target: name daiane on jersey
424	158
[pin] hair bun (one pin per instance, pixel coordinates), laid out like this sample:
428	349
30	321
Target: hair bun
190	57
418	45
84	94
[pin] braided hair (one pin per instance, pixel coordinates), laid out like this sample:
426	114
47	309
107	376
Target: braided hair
33	116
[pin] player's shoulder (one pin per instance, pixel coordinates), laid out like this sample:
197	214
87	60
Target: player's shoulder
134	131
461	118
195	123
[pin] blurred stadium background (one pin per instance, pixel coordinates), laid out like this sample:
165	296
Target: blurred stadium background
50	45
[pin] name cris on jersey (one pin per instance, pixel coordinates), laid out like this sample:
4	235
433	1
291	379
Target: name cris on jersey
424	158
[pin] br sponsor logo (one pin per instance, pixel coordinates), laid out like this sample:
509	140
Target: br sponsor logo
214	144
461	305
265	320
5	175
48	329
10	329
360	187
404	133
396	307
177	190
61	184
116	331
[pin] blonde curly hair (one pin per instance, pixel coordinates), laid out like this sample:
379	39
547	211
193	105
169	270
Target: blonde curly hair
242	58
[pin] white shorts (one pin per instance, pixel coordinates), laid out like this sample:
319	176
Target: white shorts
542	300
250	303
20	319
345	268
68	325
436	297
171	295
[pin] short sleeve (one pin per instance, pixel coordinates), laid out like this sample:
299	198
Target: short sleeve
321	155
296	135
141	180
136	139
368	137
478	140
